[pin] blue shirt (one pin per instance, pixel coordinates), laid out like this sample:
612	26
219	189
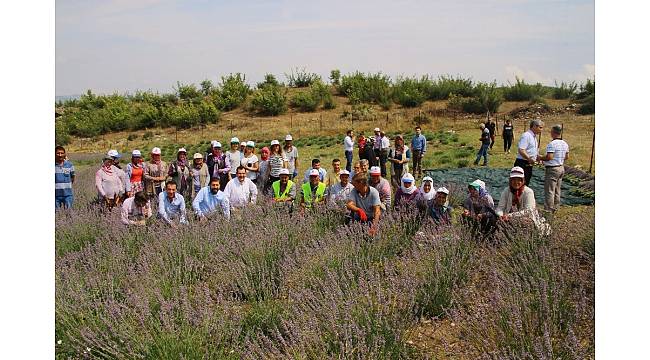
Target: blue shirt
63	174
169	210
419	142
321	172
205	202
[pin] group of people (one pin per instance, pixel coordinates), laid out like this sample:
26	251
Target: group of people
225	182
488	136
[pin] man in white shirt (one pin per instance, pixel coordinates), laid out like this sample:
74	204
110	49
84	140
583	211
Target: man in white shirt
349	149
527	149
339	192
291	153
557	151
136	210
241	191
384	147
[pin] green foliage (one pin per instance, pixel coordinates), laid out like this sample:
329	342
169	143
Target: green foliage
147	135
207	87
132	137
232	92
269	80
304	101
61	135
360	112
462	163
208	113
446	86
270	100
487	98
521	91
301	78
587	98
371	88
181	117
335	77
410	92
564	91
188	93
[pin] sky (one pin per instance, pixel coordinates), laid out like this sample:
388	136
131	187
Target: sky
125	45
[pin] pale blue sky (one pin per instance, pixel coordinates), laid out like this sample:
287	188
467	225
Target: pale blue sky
126	45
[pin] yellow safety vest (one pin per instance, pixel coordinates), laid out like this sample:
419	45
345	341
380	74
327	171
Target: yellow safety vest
276	190
306	192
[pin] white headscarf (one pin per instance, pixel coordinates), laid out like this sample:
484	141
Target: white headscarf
408	190
432	192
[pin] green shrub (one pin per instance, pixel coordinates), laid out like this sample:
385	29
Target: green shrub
208	113
462	163
335	77
520	91
328	103
207	87
446	86
147	135
587	98
304	101
410	92
181	117
232	92
132	137
271	100
61	135
564	91
301	78
188	92
371	88
269	80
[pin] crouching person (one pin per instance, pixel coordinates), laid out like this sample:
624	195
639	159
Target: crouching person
439	212
284	191
209	200
364	203
518	201
171	206
136	209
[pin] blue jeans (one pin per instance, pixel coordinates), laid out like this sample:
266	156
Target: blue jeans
483	151
348	158
63	201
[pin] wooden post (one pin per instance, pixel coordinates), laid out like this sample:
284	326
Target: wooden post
593	142
292	122
321	122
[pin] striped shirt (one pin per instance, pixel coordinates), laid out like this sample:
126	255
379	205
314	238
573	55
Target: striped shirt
276	162
63	174
559	148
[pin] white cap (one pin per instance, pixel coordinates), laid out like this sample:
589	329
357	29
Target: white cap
250	143
517	172
344	172
288	137
377	129
198	156
314	172
114	154
375	170
427	178
275	142
443	190
284	171
477	183
243	143
155	150
136	153
181	150
234	140
408	178
216	144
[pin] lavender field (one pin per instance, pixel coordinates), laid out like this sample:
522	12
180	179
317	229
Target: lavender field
309	287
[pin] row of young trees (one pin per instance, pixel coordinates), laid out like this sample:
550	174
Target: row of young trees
189	106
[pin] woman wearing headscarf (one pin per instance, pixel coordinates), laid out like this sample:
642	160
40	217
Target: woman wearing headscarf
408	195
518	201
479	208
109	184
428	192
155	174
199	174
218	165
179	171
399	156
135	173
263	175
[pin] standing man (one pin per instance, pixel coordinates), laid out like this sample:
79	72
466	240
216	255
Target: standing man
241	191
333	176
508	135
217	164
381	185
291	154
63	179
210	199
314	191
315	164
376	146
384	148
348	144
171	206
485	145
419	147
527	149
557	151
492	126
364	203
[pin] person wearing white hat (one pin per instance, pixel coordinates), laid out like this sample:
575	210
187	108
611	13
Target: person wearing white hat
291	154
199	174
179	171
427	189
382	186
155	174
479	208
218	165
408	196
322	173
277	161
241	191
250	162
439	211
284	190
135	174
314	191
340	191
518	201
233	156
115	155
399	156
109	184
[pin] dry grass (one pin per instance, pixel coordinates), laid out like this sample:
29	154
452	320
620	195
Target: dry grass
578	133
